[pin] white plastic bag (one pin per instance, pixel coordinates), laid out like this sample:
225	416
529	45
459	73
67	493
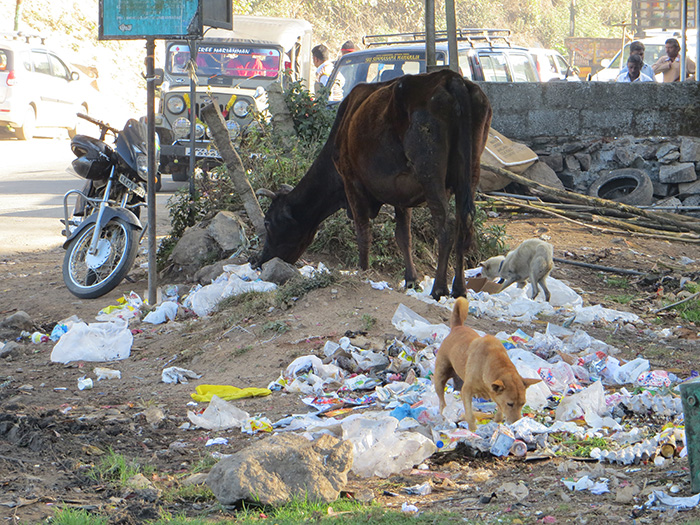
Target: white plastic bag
163	312
219	415
110	341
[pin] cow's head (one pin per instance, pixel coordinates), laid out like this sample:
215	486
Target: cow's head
287	237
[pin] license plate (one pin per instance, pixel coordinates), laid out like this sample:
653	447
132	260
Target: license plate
204	152
126	181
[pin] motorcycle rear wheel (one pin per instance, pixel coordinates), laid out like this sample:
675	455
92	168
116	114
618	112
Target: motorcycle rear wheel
88	277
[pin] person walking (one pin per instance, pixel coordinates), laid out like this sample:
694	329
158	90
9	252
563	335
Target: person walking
634	71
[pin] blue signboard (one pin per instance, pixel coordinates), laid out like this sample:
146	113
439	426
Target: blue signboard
131	19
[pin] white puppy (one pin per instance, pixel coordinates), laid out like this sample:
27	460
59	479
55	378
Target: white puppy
532	261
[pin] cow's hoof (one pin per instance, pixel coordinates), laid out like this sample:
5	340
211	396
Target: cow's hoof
437	293
412	285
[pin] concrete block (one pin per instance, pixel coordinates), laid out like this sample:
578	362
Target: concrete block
661	189
690	149
554	161
584	160
681	172
689	188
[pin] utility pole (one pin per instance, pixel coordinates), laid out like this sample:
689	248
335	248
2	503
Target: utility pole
18	14
451	21
430	60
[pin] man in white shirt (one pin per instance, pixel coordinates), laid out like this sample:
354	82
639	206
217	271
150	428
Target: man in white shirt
637	48
634	71
321	57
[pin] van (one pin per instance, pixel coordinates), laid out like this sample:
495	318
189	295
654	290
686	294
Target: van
233	69
38	88
552	66
483	55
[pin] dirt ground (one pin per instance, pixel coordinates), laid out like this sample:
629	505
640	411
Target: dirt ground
51	432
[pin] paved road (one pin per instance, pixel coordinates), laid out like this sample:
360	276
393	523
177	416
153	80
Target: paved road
33	180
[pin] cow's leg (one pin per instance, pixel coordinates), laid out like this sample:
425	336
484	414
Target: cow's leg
360	213
403	239
444	227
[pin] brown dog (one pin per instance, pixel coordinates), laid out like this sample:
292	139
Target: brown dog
482	367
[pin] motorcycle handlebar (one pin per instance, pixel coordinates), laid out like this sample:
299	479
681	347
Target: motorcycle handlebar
104	126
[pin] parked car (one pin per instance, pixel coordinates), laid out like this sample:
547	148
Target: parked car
37	87
483	55
552	66
654	48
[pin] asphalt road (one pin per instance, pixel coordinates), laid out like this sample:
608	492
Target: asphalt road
33	180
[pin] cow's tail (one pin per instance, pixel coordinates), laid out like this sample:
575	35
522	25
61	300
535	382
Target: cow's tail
473	123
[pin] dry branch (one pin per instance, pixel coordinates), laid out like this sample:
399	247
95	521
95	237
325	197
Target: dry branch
211	114
594	202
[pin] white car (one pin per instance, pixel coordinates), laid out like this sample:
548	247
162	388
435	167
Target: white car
37	87
552	66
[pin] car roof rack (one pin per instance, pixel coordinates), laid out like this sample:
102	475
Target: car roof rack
473	35
21	35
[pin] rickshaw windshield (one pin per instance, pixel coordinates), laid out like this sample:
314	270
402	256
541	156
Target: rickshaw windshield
226	60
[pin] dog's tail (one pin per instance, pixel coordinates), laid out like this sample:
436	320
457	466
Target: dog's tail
459	312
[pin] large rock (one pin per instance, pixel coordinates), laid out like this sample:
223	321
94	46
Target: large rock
281	468
13	325
689	188
279	272
194	247
690	149
681	172
542	173
227	230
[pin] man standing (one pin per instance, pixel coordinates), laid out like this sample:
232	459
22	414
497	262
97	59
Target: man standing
633	71
348	47
637	48
324	65
670	65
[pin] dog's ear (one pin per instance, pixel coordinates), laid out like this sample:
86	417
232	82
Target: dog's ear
497	386
527	381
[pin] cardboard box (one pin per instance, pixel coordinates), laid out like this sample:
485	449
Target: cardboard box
482	284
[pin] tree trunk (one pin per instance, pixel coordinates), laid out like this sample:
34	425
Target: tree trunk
282	123
213	118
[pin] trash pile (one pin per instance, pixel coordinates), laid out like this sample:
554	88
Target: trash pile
589	403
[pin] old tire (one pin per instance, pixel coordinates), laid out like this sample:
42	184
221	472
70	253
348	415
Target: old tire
627	185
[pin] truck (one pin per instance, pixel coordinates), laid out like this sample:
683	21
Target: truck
233	69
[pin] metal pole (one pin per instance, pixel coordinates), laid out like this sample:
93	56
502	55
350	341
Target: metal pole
684	25
697	39
151	139
452	35
430	61
193	113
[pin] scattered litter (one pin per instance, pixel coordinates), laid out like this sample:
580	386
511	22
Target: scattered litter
408	508
219	415
381	285
84	383
419	490
216	441
175	374
255	424
227	392
38	337
108	341
106	373
659	500
166	311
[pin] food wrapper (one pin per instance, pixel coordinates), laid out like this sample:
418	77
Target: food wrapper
256	424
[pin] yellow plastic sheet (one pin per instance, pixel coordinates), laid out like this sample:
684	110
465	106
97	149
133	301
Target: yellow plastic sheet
227	392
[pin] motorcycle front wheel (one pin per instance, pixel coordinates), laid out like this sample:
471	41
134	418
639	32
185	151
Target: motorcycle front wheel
92	275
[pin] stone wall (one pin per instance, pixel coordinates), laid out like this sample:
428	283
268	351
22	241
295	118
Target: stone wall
584	130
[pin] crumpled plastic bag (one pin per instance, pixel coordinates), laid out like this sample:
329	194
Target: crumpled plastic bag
175	374
219	415
588	402
110	341
227	392
418	328
163	312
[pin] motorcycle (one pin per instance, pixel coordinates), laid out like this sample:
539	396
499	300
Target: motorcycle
104	232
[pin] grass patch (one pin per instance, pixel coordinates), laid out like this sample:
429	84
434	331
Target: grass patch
620	299
689	311
114	468
188	494
617	282
293	290
68	516
582	447
245	306
244	349
368	322
277	327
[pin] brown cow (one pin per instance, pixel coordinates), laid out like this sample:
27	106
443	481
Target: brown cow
412	140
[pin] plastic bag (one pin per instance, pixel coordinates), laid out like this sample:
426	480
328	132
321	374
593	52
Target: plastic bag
219	415
110	341
416	327
106	373
163	312
175	374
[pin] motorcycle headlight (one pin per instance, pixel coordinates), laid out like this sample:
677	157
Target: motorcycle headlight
181	128
142	165
241	108
198	130
176	104
233	129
